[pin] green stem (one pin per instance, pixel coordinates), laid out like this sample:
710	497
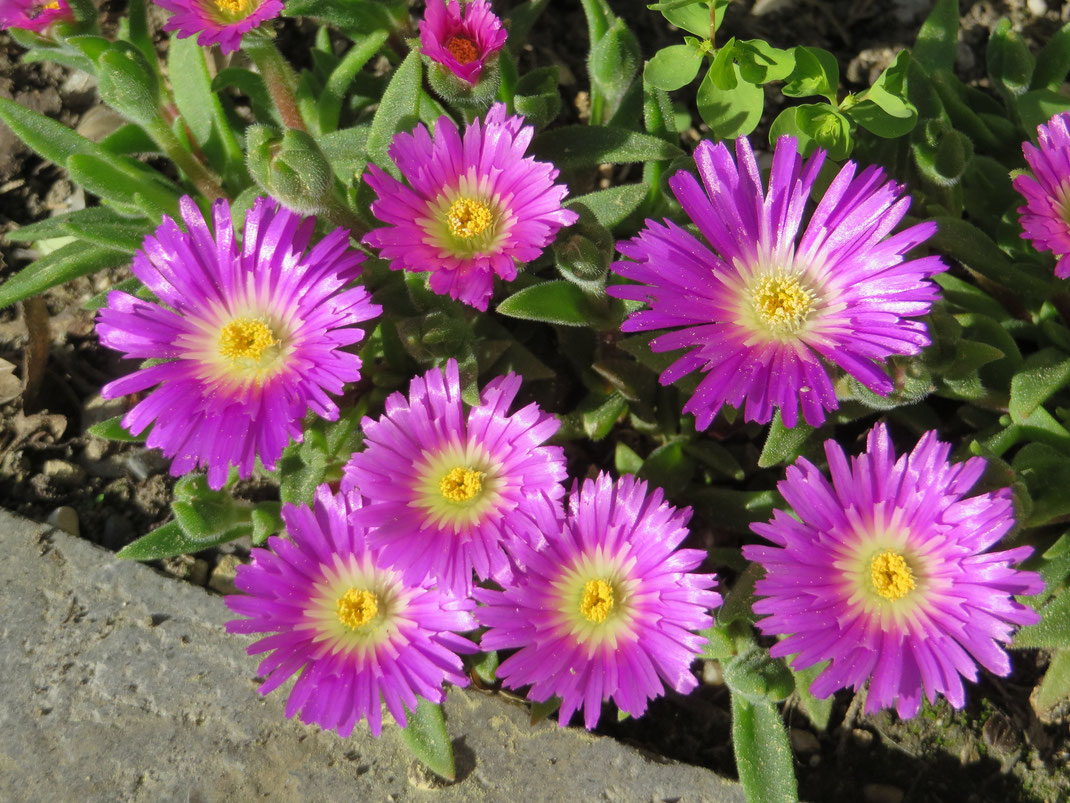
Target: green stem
206	183
330	103
279	77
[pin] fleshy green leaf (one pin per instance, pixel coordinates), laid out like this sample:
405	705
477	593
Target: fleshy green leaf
353	17
610	206
598	423
169	540
1042	374
398	110
1053	61
49	139
112	430
575	146
763	753
559	302
783	445
1055	687
816	709
69	262
427	738
1010	61
97	224
1053	631
199	106
625	460
937	45
757	677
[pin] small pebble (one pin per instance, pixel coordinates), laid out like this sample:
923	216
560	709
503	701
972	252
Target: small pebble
187	567
143	463
881	793
1037	8
862	737
802	741
712	674
62	472
222	579
64	518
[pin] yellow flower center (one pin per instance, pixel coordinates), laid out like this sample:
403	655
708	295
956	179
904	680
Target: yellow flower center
232	7
356	608
245	339
781	303
37	9
467	217
461	484
597	601
891	575
463	49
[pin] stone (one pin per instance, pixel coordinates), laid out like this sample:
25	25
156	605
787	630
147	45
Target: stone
802	741
712	673
188	568
222	577
63	473
123	684
64	518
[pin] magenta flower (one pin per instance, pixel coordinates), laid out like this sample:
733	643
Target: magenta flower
221	22
354	633
604	610
884	574
247	340
461	39
33	15
1046	214
760	310
444	496
472	206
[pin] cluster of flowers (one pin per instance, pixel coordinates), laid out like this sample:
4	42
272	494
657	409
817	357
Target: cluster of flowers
883	572
373	587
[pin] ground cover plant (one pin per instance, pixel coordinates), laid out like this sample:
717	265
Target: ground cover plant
725	389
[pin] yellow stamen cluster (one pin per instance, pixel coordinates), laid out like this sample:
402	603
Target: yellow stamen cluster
461	484
781	303
245	339
891	576
233	7
463	49
467	218
356	608
597	601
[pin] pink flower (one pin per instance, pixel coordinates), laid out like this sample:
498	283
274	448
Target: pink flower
448	493
606	608
781	289
33	15
472	207
1046	214
219	22
461	40
355	634
247	338
885	574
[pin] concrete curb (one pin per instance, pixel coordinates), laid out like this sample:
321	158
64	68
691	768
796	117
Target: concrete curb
121	684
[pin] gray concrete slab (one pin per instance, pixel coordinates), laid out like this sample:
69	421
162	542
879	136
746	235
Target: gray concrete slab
120	684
